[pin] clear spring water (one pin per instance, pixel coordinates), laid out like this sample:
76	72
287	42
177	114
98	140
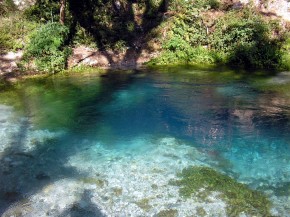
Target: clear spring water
85	145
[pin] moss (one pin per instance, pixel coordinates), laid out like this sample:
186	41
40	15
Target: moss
144	204
168	213
157	170
239	197
117	191
83	69
154	186
19	209
200	211
94	181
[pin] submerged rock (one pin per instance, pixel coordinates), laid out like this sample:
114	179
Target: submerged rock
167	213
18	209
12	196
42	176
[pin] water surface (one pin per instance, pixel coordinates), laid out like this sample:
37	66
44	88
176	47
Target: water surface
108	146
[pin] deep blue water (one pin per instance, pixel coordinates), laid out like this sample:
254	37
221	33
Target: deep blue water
241	123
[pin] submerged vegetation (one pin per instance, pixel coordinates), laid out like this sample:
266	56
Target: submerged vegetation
211	32
201	181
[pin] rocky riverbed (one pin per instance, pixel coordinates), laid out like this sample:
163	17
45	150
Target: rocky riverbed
41	178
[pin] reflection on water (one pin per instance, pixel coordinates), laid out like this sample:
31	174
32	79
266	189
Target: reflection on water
118	140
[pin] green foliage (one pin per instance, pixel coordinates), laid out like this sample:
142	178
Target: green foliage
238	196
186	42
7	7
238	37
189	55
47	47
185	6
14	32
245	39
208	4
285	62
120	45
234	29
83	37
44	11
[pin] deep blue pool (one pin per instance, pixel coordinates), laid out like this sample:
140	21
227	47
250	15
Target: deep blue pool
85	145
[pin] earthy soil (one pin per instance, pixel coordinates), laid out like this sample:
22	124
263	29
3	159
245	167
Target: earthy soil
130	58
8	65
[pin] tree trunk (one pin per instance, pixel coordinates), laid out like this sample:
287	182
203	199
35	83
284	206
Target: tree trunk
62	11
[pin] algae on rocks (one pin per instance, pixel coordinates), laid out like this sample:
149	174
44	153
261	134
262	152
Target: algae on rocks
240	199
168	213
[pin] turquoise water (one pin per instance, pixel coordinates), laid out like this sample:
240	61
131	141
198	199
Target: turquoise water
100	145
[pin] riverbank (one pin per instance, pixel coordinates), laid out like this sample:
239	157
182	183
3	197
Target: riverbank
232	33
82	57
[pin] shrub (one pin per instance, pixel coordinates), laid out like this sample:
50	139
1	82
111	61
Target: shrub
43	10
14	32
6	7
285	62
190	55
47	47
238	37
245	38
186	41
208	4
83	37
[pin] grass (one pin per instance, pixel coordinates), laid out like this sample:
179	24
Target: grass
82	69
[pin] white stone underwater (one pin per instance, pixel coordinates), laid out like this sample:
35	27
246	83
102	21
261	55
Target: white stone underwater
114	145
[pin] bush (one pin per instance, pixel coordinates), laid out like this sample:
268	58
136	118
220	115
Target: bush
14	32
44	11
83	37
6	7
208	4
245	38
285	62
47	47
238	37
186	41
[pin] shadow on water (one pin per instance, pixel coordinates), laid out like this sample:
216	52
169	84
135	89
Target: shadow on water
84	207
24	173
